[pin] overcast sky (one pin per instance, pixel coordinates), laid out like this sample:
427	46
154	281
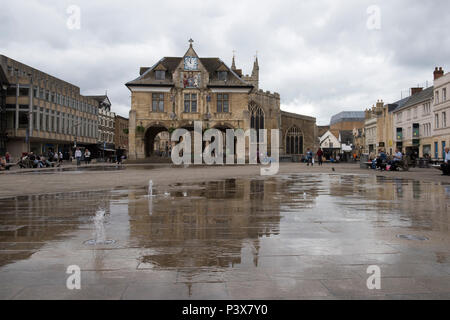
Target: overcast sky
322	56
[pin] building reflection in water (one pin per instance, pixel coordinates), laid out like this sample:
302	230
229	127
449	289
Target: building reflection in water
198	229
205	225
402	202
29	222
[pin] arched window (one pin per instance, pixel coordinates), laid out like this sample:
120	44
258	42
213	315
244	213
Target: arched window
256	117
294	141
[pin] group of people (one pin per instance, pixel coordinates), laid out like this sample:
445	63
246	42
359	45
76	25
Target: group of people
79	156
86	156
310	157
31	160
385	162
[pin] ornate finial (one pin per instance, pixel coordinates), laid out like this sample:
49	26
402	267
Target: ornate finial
191	42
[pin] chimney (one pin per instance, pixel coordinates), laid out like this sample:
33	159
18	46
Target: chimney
416	90
438	73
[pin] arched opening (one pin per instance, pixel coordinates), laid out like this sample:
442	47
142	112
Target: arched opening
157	141
294	141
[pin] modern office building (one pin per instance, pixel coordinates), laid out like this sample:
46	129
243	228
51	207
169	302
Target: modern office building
45	113
3	87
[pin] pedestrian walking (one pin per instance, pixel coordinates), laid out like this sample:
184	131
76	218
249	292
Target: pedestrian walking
445	167
60	156
87	156
119	155
320	156
7	157
309	157
78	156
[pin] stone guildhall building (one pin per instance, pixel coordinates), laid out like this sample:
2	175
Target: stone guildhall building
176	91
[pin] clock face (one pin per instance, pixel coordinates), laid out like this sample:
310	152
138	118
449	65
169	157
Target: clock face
190	63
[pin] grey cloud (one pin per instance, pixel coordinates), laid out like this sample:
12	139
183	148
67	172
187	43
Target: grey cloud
319	55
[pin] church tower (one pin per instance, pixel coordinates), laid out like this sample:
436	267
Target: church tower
254	78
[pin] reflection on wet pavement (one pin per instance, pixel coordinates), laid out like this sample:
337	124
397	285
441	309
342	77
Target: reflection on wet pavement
81	169
285	237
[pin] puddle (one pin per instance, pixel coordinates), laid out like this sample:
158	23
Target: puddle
81	169
236	229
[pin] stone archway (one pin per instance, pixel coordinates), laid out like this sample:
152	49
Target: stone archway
150	138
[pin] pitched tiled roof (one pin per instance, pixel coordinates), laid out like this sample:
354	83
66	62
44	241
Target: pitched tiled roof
397	105
147	77
422	96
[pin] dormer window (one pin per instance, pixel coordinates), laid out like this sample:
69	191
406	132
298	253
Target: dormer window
160	75
222	75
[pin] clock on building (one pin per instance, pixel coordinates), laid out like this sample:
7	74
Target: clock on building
190	63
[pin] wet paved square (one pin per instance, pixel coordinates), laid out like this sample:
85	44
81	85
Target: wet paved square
293	236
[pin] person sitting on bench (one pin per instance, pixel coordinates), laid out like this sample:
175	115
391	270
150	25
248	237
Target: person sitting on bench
445	167
381	160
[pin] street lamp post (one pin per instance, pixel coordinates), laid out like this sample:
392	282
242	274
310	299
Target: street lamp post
76	133
77	124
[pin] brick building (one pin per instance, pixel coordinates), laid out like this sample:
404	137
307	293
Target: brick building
121	133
